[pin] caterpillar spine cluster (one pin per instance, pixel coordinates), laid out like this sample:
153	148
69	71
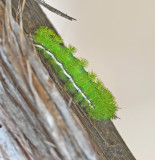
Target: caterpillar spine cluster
85	87
65	72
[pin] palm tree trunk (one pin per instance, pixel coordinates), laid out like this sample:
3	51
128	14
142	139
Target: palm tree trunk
35	120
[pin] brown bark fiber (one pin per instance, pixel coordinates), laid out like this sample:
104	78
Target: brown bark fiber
35	121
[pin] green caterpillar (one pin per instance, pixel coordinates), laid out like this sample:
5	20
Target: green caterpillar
85	87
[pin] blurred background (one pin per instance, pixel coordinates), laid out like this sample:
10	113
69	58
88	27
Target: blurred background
118	40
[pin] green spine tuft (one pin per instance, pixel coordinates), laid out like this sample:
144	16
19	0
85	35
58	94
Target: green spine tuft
104	105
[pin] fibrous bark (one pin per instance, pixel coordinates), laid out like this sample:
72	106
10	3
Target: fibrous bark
106	141
35	122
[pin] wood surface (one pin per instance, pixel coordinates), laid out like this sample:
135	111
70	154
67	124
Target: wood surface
104	137
35	121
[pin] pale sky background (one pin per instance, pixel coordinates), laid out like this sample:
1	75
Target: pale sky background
117	37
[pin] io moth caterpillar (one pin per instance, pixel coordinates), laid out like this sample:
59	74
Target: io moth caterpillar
84	86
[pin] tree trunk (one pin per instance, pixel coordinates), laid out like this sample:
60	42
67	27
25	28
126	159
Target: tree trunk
35	121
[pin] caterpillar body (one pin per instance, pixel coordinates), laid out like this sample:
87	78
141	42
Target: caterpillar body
65	72
85	87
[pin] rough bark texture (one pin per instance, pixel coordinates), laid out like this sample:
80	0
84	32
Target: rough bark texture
36	92
35	122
